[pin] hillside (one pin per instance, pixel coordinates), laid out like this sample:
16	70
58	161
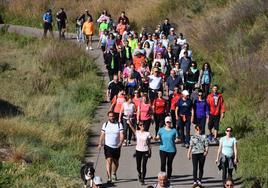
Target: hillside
230	35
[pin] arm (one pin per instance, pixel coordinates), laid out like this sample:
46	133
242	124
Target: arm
189	153
176	112
192	117
121	138
138	114
131	126
218	153
101	139
108	95
120	114
235	153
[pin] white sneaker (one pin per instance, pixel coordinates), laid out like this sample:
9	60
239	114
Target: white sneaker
90	48
87	48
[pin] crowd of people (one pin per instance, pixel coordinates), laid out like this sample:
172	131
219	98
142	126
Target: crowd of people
155	81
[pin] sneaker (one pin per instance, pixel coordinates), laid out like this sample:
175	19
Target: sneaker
187	146
90	48
109	181
210	138
114	177
216	141
142	182
183	145
199	182
125	143
87	48
195	183
139	177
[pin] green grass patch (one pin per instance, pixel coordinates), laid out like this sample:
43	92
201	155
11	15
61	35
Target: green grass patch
57	90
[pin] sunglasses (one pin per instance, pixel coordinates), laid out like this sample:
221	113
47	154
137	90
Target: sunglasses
228	130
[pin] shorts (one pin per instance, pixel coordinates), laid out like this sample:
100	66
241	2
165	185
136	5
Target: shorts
112	152
47	26
214	122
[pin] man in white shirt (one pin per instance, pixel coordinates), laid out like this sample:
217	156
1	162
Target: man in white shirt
112	135
155	84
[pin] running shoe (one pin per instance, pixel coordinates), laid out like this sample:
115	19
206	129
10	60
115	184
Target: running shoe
199	182
90	48
87	48
187	146
114	177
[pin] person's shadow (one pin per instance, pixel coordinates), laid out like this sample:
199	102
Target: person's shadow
9	110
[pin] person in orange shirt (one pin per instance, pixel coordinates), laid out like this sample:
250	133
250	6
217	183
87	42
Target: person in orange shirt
88	31
121	27
216	112
173	104
117	103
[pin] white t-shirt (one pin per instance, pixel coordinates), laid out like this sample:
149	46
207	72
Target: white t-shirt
142	140
128	110
155	82
112	133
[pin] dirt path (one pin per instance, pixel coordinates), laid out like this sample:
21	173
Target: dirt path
127	175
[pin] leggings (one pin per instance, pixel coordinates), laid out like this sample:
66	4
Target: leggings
159	120
167	159
198	161
141	160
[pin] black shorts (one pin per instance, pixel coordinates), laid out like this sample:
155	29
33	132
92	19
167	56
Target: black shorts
112	152
214	122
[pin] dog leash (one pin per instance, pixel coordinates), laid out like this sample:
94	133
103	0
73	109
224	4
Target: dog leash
98	156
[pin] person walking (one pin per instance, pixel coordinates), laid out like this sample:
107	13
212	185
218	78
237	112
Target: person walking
143	149
173	104
160	110
155	84
229	183
205	78
216	112
61	18
198	151
117	103
201	111
48	21
88	31
112	138
127	115
185	116
168	137
227	154
145	112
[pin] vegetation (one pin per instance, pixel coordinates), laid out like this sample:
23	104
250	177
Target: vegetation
49	99
230	35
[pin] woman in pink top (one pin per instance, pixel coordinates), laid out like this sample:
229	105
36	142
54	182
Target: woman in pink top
145	112
143	149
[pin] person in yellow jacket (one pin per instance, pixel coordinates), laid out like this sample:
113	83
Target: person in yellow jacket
88	31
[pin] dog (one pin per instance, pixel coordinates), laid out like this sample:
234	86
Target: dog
87	173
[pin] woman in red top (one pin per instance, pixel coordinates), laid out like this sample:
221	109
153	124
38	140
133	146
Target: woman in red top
117	103
160	109
173	101
145	112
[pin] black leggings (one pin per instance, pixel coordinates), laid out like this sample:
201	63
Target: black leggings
167	159
159	120
198	161
142	157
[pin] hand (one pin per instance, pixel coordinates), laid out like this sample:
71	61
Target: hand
205	153
235	161
177	118
189	156
222	115
99	146
217	161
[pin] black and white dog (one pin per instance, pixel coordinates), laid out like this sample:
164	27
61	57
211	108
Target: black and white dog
87	173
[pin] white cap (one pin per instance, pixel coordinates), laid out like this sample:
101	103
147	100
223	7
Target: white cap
172	29
168	119
185	92
97	180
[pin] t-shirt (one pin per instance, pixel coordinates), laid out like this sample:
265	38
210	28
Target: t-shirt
185	107
201	108
228	146
142	139
118	102
128	110
114	88
167	143
198	143
103	26
136	102
174	101
155	82
145	111
159	105
112	133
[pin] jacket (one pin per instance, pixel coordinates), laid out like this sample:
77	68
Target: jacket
219	108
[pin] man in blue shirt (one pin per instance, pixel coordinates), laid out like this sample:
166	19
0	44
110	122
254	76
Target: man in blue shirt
173	81
47	19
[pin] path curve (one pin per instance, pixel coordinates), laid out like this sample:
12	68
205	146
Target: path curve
127	174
